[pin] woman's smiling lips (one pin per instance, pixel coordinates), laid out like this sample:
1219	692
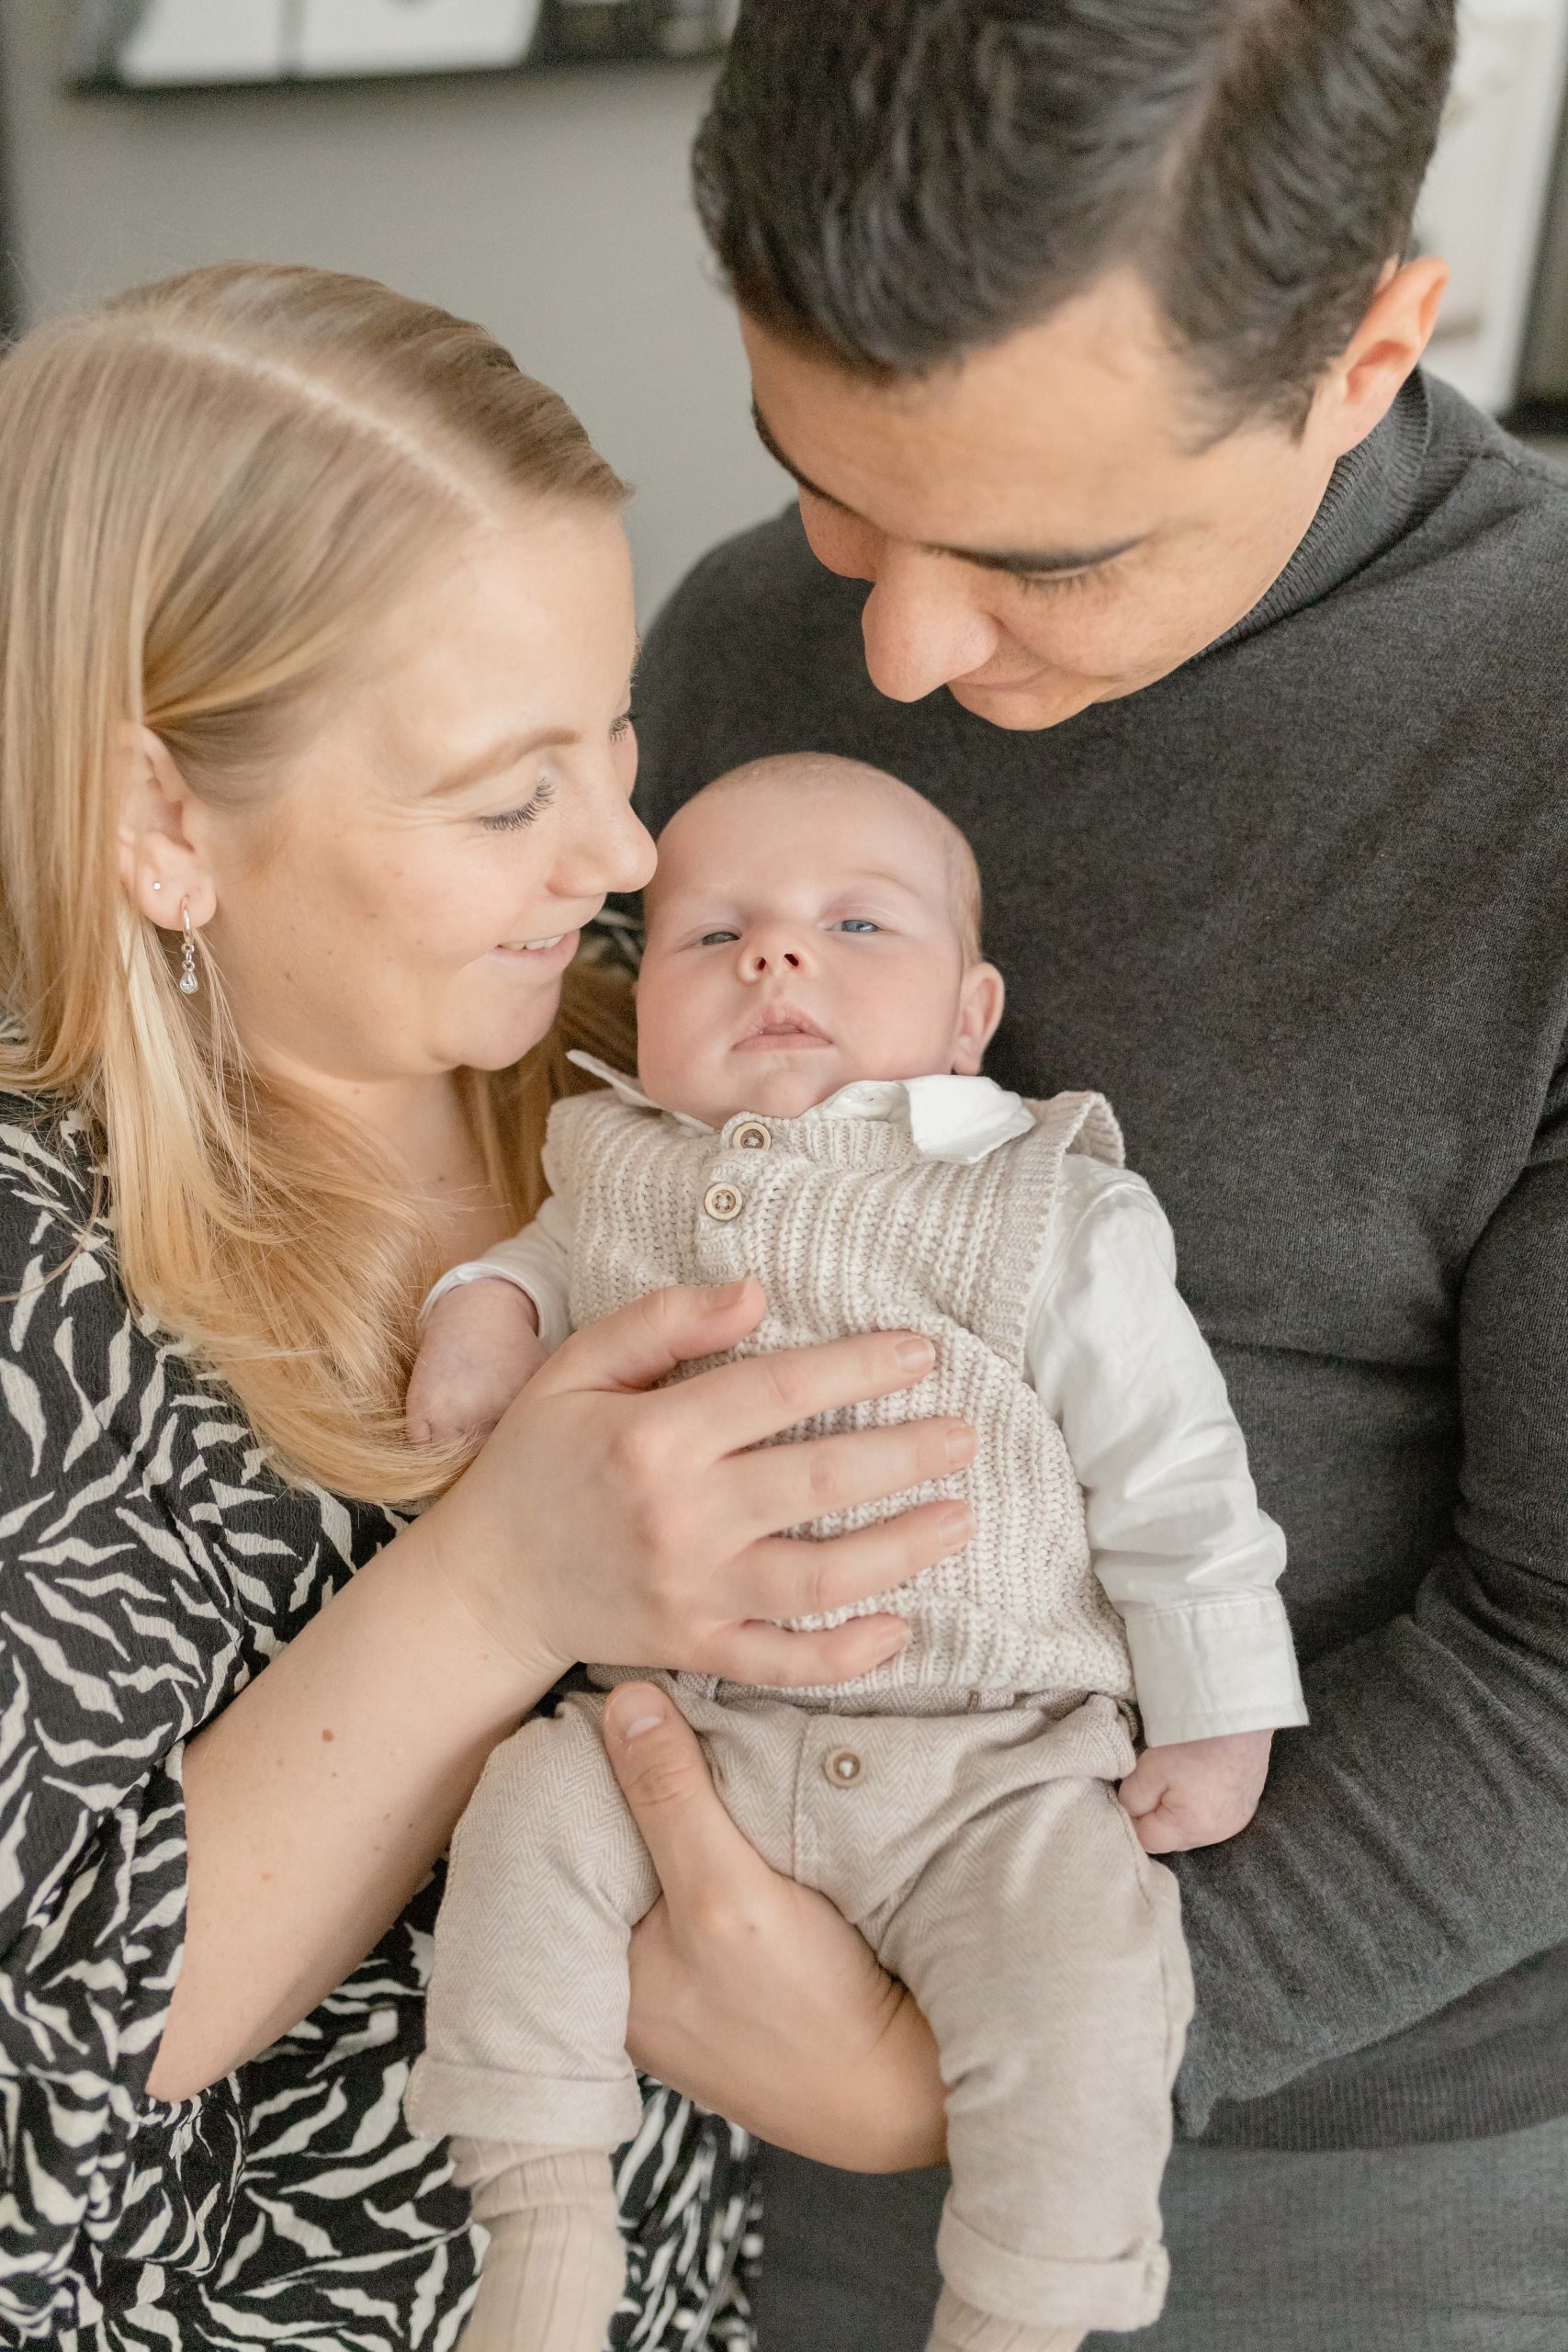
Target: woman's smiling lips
549	954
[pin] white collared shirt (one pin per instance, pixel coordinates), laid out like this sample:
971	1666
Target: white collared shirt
1176	1535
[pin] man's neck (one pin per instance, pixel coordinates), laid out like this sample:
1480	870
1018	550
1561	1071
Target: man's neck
1362	511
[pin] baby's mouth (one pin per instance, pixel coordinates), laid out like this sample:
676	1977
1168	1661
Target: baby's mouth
781	1028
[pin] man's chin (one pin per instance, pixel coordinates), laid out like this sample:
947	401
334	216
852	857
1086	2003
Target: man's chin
1025	709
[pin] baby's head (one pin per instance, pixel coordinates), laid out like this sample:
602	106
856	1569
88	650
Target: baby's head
812	922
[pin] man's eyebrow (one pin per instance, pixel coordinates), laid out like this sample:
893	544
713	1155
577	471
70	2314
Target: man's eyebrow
1021	561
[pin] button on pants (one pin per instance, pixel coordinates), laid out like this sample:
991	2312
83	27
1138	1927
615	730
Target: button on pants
985	1859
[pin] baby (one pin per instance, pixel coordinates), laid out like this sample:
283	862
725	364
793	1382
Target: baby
813	1010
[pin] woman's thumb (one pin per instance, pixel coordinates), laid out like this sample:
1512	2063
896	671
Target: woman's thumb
664	1778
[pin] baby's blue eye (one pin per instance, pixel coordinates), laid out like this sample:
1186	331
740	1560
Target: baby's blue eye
858	923
717	938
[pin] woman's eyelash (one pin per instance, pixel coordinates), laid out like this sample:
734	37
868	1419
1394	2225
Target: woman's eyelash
622	725
510	819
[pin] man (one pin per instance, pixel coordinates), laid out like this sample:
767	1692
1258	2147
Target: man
1130	533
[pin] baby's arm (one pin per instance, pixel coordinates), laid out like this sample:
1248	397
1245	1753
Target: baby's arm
487	1327
1178	1540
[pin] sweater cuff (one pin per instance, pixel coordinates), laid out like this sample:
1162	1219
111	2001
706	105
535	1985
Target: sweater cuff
1223	1664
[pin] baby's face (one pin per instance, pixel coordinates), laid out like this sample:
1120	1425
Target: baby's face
804	931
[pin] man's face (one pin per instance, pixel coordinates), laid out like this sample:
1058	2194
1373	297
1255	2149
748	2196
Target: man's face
1041	524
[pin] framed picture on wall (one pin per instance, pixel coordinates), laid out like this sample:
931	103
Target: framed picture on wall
172	44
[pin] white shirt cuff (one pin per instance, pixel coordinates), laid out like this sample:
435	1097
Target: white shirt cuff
478	1269
1222	1663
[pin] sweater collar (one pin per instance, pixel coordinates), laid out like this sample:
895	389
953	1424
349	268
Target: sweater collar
1368	505
958	1119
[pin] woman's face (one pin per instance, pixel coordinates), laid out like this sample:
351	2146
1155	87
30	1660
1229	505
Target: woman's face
408	902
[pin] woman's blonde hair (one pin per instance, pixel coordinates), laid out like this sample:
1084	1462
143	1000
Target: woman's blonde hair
209	487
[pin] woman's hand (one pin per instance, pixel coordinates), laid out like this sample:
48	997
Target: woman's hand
751	1993
607	1523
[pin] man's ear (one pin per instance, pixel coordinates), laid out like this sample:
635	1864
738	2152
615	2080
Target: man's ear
981	995
160	864
1385	347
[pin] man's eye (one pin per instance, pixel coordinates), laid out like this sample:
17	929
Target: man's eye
858	923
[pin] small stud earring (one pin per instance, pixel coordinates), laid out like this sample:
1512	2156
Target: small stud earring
189	981
157	885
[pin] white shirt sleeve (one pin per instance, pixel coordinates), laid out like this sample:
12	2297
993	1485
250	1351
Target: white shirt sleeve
1174	1531
538	1260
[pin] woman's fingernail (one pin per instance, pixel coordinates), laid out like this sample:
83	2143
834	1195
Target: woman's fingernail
640	1724
958	1524
960	1442
899	1642
916	1355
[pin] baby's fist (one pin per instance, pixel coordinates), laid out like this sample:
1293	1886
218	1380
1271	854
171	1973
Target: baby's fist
1196	1792
481	1344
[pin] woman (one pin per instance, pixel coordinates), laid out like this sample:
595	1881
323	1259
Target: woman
315	635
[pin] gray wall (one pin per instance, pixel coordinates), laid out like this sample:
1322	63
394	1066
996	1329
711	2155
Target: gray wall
1543	375
555	208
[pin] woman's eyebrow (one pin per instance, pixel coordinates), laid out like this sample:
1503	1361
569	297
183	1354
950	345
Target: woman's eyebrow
497	757
1020	560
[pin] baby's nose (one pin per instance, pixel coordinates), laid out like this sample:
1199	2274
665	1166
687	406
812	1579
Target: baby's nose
760	960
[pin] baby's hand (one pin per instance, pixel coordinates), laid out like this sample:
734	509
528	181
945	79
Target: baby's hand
1196	1792
482	1345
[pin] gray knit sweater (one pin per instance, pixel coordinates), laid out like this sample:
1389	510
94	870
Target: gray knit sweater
1300	910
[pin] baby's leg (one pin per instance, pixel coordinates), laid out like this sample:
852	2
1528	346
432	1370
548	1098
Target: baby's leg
555	2264
524	2061
1045	1951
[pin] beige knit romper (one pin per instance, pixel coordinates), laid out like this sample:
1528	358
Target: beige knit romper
958	1806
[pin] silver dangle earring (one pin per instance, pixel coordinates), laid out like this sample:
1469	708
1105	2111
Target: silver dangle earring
189	981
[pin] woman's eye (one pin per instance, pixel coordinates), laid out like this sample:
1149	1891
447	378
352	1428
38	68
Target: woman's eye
861	924
622	725
510	820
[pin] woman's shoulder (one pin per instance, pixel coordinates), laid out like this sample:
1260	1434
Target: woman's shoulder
113	1426
53	1197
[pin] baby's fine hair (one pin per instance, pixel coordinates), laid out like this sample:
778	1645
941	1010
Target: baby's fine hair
826	769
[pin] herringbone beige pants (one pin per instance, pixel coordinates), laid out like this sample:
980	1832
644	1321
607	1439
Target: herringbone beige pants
985	1859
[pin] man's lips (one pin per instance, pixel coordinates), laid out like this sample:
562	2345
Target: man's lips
982	685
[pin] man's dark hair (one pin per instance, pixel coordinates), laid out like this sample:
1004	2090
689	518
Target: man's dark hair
900	182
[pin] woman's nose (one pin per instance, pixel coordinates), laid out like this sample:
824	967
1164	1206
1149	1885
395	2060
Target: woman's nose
612	850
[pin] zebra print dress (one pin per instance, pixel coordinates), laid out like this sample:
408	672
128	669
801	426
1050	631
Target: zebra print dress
149	1563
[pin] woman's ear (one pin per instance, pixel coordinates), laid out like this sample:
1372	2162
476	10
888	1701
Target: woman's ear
160	864
981	995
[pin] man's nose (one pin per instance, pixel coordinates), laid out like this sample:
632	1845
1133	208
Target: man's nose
922	630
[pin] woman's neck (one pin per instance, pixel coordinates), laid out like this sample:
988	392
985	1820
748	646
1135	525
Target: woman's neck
426	1127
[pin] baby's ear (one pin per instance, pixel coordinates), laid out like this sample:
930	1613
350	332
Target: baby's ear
982	992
